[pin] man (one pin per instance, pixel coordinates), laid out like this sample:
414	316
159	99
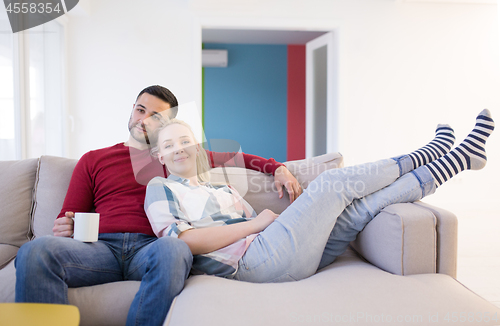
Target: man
112	181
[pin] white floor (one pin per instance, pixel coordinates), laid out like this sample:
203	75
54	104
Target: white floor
479	252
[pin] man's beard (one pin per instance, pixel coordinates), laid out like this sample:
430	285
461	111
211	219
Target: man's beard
142	137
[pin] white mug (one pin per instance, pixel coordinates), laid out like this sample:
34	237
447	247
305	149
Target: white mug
86	227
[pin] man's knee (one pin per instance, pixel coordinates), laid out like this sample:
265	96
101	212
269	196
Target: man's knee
171	245
34	248
31	254
39	250
172	251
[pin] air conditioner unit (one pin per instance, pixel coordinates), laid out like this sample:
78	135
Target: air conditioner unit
214	58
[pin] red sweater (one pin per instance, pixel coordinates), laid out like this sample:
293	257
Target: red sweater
113	181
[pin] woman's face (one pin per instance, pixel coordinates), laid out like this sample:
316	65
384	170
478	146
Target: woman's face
177	150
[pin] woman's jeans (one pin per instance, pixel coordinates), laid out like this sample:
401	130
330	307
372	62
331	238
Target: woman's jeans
47	266
334	208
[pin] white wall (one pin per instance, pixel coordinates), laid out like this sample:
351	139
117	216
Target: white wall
404	68
114	52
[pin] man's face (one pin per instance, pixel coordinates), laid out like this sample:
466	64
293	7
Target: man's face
146	117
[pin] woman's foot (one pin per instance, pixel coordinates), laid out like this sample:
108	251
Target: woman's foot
439	146
469	155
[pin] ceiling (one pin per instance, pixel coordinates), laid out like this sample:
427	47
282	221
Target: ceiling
258	36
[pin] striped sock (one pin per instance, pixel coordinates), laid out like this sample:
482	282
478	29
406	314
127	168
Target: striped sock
469	155
439	146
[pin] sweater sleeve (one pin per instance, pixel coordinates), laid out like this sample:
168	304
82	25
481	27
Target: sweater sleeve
243	160
80	194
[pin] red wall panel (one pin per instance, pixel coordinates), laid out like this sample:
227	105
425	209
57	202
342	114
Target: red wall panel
296	103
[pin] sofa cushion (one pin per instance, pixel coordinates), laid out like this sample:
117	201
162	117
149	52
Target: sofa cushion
104	304
8	283
18	178
258	188
7	253
348	292
53	176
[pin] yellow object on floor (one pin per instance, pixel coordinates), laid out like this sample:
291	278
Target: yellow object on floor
38	314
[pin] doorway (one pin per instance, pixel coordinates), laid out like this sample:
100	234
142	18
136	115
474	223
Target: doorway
321	114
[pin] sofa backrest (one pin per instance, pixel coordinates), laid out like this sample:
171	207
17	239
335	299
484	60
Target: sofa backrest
259	189
45	183
52	181
17	179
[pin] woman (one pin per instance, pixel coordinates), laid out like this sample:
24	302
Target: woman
228	239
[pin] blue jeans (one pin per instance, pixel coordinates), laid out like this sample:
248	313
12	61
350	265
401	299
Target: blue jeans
47	266
317	227
408	188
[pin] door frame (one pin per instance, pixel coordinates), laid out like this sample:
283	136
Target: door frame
330	40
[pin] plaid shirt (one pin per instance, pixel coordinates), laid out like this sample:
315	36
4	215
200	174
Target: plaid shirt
173	206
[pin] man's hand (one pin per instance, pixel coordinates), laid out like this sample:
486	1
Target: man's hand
63	227
283	177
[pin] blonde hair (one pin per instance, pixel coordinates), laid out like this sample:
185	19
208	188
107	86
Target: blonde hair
202	166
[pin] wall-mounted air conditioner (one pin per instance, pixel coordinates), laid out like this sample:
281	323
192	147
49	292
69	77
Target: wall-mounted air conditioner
214	58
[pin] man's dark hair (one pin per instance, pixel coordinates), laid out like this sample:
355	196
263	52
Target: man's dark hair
163	94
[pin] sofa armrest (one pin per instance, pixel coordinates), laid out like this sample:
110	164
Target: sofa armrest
447	239
411	238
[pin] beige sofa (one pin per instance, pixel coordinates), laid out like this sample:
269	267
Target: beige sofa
400	270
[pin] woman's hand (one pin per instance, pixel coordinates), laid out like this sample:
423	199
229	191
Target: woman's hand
205	240
264	219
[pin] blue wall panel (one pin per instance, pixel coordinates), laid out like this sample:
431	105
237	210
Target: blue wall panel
247	101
